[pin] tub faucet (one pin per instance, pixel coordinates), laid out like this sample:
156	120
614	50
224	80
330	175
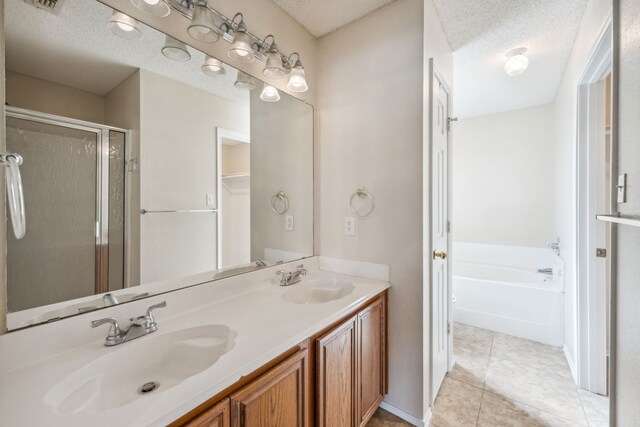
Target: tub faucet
555	246
291	277
139	327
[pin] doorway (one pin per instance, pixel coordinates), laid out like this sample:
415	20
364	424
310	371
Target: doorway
594	190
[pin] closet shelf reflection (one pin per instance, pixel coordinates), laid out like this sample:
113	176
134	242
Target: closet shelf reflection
148	211
618	219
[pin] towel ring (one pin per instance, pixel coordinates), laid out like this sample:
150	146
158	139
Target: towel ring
362	193
282	197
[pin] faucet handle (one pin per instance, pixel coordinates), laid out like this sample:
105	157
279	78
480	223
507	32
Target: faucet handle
149	320
114	330
302	270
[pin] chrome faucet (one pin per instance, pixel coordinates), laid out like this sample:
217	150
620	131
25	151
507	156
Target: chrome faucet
291	277
139	327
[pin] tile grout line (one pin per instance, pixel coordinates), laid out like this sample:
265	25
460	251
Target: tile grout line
584	410
479	408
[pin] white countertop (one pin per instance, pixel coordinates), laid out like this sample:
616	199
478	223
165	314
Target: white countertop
32	361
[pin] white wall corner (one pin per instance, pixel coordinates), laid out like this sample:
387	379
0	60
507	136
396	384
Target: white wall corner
367	270
571	362
407	417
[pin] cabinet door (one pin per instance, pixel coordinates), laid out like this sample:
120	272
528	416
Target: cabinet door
218	416
371	360
336	374
276	399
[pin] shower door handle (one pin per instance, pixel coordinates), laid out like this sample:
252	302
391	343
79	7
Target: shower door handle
442	255
15	195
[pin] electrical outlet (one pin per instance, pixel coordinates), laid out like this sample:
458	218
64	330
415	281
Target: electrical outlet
289	223
210	200
622	188
349	226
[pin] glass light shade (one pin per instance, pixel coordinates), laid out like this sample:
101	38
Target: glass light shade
273	68
245	81
516	63
297	81
175	50
241	48
124	26
270	94
203	26
153	7
213	67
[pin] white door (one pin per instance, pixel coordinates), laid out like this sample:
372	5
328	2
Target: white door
439	230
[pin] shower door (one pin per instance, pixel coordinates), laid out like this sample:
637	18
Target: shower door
73	179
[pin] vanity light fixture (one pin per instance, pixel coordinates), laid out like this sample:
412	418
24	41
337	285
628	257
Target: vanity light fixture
124	26
245	81
213	67
241	48
270	93
175	50
297	81
517	62
203	24
273	69
153	7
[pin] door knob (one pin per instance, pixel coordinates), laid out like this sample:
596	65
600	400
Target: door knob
442	255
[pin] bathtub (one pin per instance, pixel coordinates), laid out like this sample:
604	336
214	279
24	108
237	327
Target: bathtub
512	299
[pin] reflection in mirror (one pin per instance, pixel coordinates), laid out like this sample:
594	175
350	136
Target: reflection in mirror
147	166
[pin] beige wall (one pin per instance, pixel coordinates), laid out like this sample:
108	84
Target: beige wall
565	158
370	125
122	108
46	97
281	160
503	176
177	171
236	159
3	224
628	249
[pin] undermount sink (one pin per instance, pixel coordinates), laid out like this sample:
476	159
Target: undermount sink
318	291
146	366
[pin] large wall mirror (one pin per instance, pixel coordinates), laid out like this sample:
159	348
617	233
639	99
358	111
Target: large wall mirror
144	170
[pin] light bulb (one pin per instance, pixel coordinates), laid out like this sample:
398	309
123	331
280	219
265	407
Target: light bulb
153	7
124	26
241	48
517	63
270	94
152	2
213	67
297	81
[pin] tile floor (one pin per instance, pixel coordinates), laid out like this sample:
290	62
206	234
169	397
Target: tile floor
500	380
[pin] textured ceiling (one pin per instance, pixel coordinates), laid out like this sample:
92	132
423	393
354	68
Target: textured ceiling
321	17
482	31
77	49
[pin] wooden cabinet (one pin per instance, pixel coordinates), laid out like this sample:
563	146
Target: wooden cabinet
371	374
349	363
336	376
277	398
351	369
216	416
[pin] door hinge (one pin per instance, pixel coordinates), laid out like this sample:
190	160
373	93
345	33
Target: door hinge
449	328
601	253
448	226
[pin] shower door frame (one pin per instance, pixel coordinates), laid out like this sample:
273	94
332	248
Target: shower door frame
101	131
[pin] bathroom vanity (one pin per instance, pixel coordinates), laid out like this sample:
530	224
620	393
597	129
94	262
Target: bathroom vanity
229	352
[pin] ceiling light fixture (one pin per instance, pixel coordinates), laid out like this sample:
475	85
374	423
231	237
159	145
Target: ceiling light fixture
124	26
517	62
245	81
273	69
241	49
175	50
270	94
203	26
153	7
213	67
297	81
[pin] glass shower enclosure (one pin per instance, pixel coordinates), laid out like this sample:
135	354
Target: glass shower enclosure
74	181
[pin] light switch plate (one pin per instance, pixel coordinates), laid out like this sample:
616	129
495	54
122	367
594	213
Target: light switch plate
622	188
349	226
210	200
289	223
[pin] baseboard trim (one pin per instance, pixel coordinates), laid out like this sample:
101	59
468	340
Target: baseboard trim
408	418
572	365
